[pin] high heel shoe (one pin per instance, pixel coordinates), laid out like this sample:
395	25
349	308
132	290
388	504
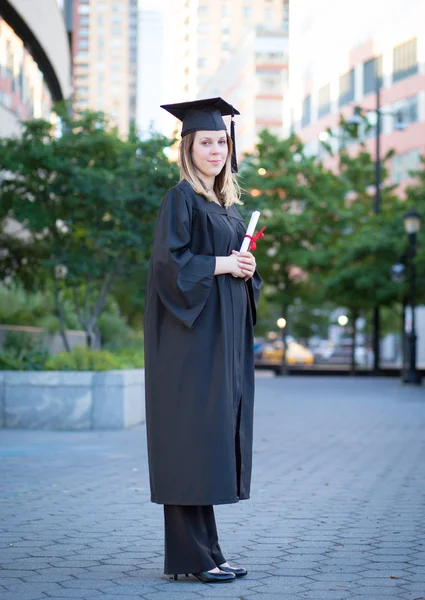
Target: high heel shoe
237	571
207	577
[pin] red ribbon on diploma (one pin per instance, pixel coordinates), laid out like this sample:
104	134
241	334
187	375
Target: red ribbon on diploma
257	236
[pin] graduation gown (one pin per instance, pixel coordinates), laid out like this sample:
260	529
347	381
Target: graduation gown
199	360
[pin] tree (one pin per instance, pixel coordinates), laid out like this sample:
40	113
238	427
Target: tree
300	204
87	200
369	244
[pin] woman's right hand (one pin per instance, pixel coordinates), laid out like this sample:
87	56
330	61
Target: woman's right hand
234	267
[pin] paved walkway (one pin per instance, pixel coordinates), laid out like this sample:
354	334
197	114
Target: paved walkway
337	508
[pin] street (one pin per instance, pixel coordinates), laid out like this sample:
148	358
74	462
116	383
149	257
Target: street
337	508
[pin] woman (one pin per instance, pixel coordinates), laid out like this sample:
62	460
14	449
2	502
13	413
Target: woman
199	365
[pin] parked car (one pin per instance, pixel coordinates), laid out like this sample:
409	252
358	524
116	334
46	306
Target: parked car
270	355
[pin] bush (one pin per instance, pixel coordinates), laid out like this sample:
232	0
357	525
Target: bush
130	358
22	352
82	358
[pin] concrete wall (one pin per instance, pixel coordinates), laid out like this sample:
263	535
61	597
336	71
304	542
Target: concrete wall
72	399
46	21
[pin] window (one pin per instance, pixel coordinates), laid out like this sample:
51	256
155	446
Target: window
83	32
84	21
247	12
116	7
115	77
82	90
202	11
82	54
202	62
116	43
405	60
403	164
203	45
116	30
306	115
225	11
324	100
372	69
83	44
203	28
407	110
225	46
116	19
268	14
81	78
346	88
83	10
100	19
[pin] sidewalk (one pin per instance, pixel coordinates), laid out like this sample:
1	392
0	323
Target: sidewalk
337	509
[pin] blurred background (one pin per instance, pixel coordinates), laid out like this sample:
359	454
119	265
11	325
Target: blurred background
330	141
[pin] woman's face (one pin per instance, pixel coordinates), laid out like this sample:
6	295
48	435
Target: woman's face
209	152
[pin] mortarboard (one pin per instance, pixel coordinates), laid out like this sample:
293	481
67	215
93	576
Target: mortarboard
205	115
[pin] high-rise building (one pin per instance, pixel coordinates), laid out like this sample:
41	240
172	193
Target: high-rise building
35	64
104	51
223	24
231	48
337	59
248	63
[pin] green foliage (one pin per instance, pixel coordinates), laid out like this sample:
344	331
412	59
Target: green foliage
416	201
87	201
84	359
22	352
300	204
81	358
129	358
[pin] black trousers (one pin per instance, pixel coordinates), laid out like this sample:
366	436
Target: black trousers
191	541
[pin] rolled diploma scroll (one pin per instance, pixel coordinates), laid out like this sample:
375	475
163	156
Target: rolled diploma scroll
250	231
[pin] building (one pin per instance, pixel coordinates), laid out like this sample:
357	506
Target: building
254	80
35	66
104	55
248	63
231	48
352	51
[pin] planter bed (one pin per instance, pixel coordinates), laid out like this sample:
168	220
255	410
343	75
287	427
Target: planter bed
72	399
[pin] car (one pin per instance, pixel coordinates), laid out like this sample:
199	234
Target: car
270	355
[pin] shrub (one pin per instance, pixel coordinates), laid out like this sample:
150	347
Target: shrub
22	352
82	358
130	358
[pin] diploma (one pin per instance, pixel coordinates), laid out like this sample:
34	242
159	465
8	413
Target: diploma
250	231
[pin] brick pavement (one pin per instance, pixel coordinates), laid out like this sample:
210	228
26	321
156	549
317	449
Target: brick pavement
337	509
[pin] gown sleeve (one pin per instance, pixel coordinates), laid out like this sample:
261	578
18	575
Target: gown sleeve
254	285
183	280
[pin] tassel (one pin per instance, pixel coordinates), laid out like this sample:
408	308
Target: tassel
232	135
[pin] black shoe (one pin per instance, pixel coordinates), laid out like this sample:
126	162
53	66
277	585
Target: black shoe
237	571
207	577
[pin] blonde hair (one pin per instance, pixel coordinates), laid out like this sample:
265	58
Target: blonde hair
226	186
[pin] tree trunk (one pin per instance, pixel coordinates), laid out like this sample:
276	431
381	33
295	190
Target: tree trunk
354	317
283	370
59	312
403	340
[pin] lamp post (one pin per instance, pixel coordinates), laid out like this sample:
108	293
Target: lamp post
356	119
281	323
412	225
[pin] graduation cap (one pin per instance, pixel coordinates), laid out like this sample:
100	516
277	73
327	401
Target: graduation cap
205	115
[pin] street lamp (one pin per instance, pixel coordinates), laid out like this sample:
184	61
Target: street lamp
356	119
342	320
281	323
412	225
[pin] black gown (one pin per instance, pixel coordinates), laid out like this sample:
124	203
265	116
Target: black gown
199	360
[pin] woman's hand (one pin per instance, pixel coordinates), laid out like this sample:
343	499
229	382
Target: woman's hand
233	264
246	263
